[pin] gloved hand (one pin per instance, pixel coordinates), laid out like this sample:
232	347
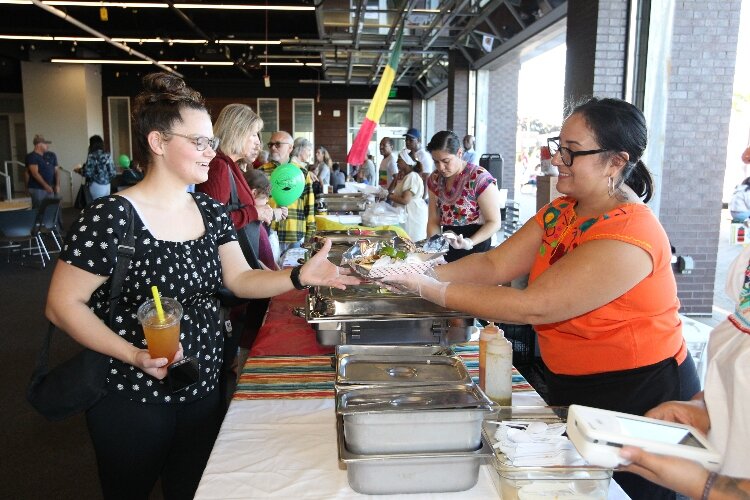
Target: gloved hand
458	241
382	193
427	287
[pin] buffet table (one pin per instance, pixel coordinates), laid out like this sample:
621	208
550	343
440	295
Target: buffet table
278	439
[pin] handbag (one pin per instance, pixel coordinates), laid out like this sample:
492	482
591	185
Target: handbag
249	235
83	198
78	383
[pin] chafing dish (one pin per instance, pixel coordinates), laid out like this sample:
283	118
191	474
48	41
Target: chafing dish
369	314
362	369
411	472
417	419
342	202
395	350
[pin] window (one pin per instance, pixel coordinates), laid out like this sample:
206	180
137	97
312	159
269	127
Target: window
268	110
394	123
303	119
119	127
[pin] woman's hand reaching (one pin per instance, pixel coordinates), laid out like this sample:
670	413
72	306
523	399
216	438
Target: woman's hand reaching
156	367
319	271
691	413
425	285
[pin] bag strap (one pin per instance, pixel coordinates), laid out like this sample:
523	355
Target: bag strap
125	252
234	199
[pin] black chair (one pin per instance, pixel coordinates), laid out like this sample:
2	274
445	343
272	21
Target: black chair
18	226
511	218
49	215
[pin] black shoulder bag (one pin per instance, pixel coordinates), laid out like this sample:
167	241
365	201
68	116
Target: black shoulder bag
249	235
78	383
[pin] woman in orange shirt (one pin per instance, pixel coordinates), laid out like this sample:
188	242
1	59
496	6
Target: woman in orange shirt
601	294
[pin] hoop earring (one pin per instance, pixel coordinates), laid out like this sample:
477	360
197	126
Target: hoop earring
610	186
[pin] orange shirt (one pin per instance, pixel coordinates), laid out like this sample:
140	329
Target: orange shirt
639	328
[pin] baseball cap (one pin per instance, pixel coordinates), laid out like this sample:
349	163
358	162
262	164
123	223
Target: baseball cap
39	138
413	132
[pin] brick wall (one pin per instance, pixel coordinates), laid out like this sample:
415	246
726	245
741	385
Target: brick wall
441	115
502	119
699	104
458	94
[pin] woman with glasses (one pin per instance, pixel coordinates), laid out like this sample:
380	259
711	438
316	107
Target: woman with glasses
237	128
464	200
185	244
602	295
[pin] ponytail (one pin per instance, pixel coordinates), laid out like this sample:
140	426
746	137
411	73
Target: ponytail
638	178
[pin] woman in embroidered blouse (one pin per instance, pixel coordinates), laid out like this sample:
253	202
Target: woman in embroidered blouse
602	295
186	245
461	205
408	193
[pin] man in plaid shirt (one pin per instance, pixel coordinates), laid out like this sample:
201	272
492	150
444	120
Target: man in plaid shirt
300	222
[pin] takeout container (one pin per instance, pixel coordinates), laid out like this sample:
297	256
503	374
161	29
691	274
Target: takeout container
401	370
421	419
559	482
411	472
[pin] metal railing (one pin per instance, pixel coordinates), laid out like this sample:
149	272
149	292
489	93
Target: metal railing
8	177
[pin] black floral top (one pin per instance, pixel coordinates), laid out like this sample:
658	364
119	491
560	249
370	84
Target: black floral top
189	271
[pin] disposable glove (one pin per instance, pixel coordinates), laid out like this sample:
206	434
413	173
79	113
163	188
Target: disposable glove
427	287
457	241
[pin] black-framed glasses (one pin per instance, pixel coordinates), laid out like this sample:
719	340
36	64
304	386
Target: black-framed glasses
201	143
568	155
278	144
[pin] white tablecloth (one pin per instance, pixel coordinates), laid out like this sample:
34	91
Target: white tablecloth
287	449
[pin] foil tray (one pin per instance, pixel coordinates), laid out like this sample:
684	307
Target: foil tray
368	302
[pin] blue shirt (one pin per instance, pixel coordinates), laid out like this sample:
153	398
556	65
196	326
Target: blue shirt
46	163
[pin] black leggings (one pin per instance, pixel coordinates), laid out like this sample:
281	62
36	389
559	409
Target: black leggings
631	391
138	443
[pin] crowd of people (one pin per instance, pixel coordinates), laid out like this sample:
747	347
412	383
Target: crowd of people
616	343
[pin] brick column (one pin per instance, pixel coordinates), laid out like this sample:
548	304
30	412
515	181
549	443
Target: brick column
458	93
502	117
699	104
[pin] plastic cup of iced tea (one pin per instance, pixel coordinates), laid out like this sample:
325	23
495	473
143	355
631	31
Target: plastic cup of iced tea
162	335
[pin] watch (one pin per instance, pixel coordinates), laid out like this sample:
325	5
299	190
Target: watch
295	279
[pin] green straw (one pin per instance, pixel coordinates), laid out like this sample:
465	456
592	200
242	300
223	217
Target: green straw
157	303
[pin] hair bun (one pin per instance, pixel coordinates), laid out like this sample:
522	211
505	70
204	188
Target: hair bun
168	87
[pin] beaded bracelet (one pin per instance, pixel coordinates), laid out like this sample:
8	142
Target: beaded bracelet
709	484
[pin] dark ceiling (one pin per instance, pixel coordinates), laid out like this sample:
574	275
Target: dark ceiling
337	41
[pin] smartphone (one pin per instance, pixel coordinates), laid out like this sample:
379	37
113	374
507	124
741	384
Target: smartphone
183	374
599	434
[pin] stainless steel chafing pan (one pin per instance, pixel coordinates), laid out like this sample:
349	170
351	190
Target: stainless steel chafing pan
400	370
412	472
435	418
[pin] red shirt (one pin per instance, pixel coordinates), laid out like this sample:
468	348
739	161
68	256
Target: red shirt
217	187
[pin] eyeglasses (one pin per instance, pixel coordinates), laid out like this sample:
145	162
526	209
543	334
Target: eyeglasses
278	144
567	155
201	143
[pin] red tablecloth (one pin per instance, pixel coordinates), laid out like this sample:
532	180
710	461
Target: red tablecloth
283	333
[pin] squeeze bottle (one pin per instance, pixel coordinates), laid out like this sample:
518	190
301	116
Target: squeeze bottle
499	370
486	334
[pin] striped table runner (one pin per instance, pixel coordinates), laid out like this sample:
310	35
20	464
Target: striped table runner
312	377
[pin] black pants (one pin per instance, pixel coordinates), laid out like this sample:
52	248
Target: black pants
467	232
137	443
631	391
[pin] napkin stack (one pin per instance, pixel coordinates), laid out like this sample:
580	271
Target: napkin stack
536	444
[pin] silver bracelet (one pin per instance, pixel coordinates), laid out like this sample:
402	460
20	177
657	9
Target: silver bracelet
709	484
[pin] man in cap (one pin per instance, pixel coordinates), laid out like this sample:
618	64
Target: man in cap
299	224
413	138
42	168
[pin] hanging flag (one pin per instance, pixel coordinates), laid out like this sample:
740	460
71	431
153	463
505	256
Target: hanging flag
358	152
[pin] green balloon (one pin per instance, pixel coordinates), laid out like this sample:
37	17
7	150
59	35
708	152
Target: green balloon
124	161
287	184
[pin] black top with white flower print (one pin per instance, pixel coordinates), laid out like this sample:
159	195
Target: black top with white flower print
189	271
